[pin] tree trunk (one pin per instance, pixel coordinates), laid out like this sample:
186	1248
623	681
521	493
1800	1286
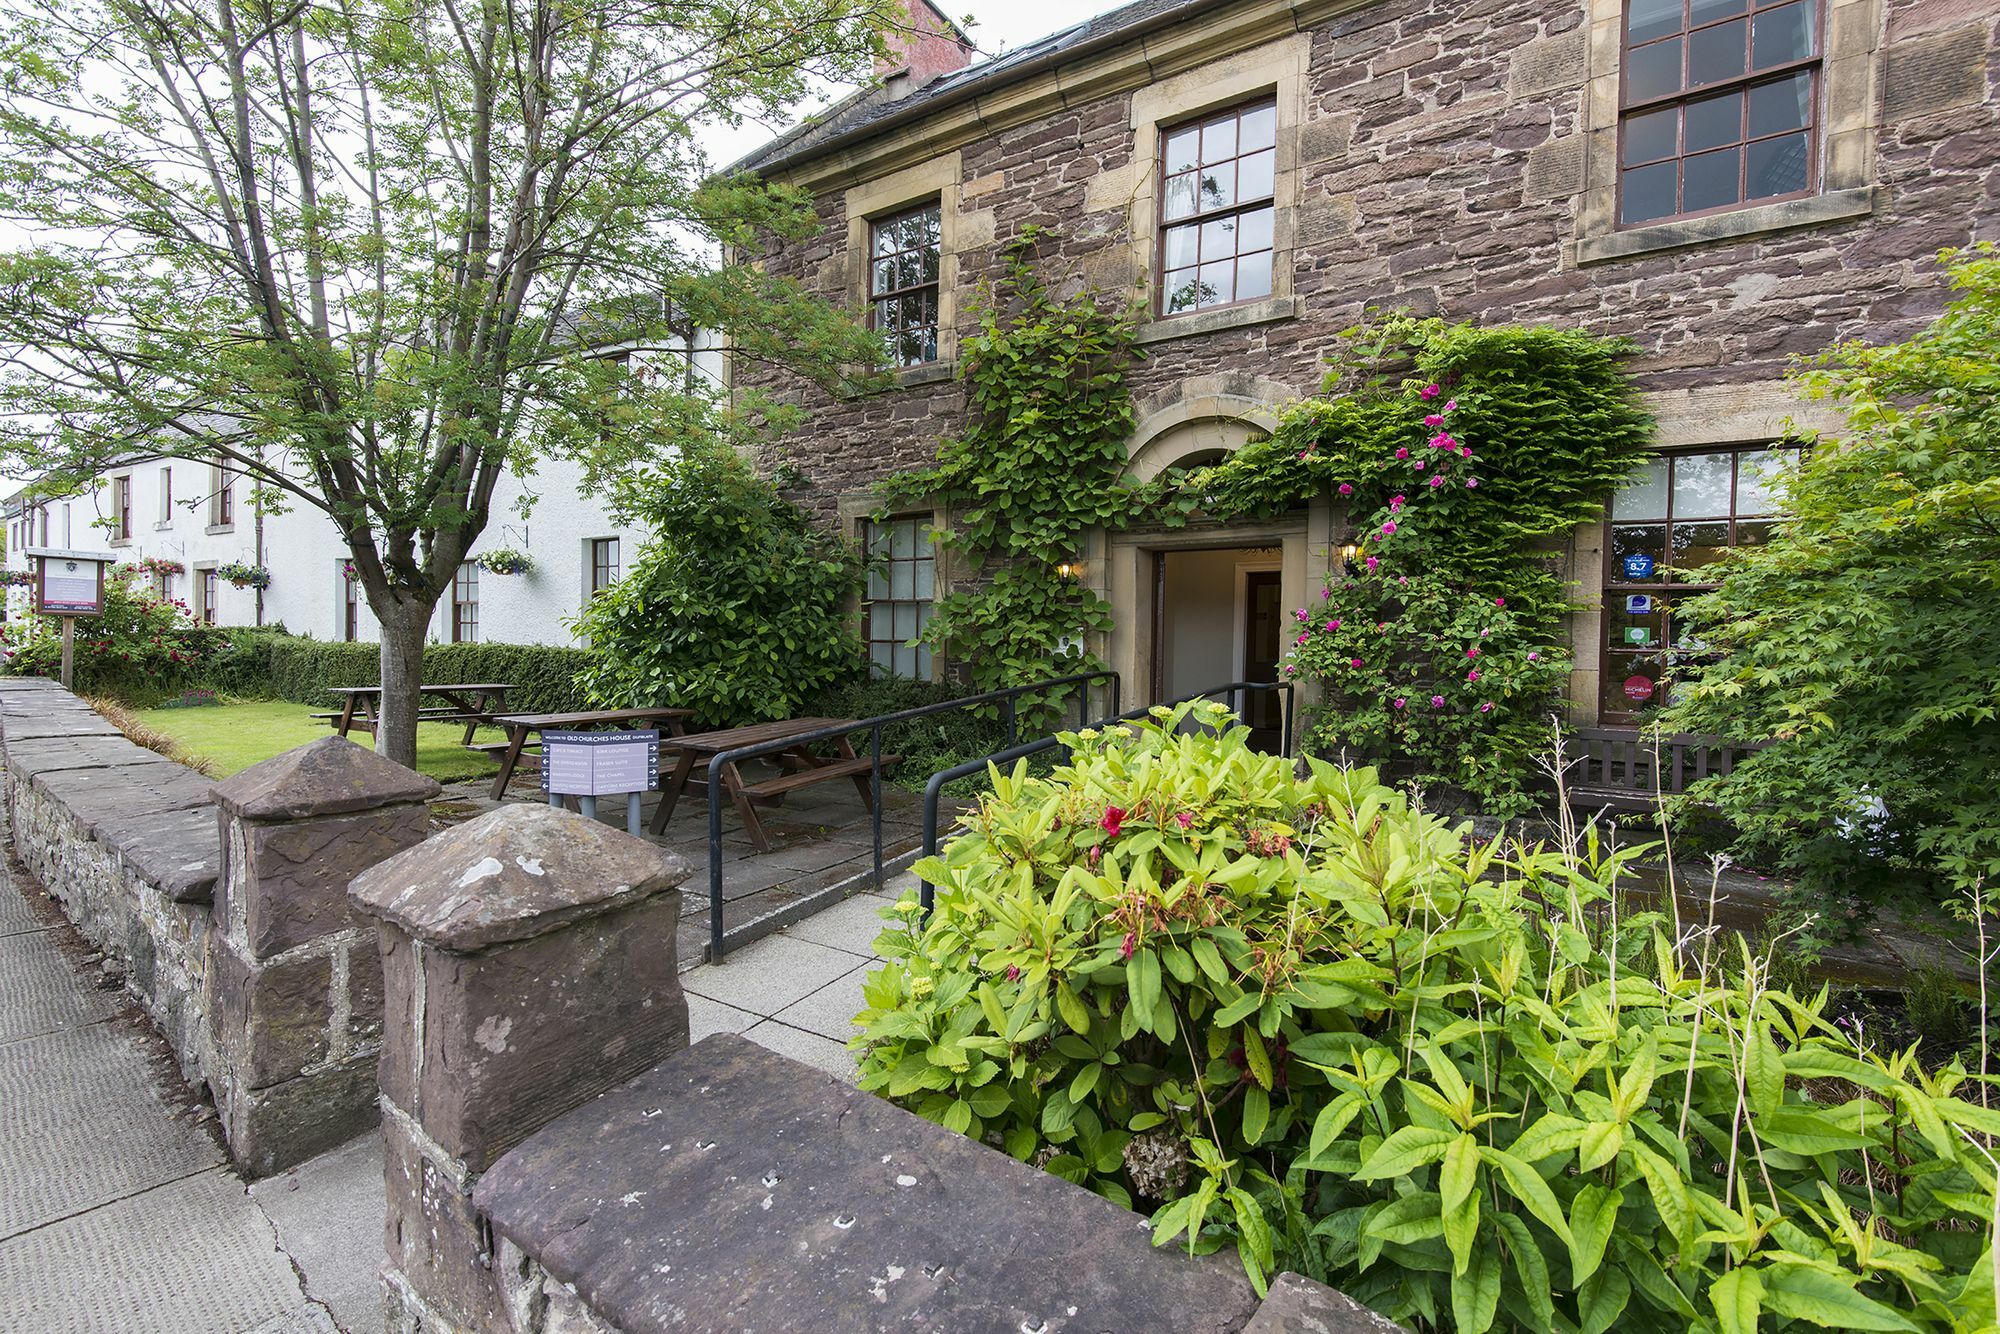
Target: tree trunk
403	632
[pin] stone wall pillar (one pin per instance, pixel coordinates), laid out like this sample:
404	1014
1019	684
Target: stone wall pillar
294	982
528	965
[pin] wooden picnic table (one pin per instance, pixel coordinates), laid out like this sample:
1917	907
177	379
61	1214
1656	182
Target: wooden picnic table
803	768
519	725
474	703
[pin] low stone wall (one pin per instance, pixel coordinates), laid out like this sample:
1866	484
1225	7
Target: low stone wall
224	905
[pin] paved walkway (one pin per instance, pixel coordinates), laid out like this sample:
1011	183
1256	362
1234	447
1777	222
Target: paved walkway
119	1211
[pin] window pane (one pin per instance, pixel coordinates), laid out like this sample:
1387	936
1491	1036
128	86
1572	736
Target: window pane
1218	239
1645	495
1710	180
1253	276
1652	71
1647	192
1183	151
1714	121
1218	284
1626	627
903	621
1178	251
1218	185
1785	104
1777	166
902	539
1755	532
1179	200
926	580
1702	486
1758	473
1715	53
886	239
1182	291
1782	34
929	226
1255	233
884	276
902	581
1708	11
881	653
1698	544
1258	129
1637	552
1631	682
1257	175
1647	19
1218	139
923	672
878	584
1650	135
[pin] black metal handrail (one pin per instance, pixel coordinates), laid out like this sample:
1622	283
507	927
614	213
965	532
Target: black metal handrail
935	788
1006	699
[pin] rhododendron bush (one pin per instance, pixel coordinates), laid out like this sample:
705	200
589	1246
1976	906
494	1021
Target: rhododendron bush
1468	1085
140	645
1460	458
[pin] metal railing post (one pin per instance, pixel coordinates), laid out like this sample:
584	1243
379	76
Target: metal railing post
875	793
716	948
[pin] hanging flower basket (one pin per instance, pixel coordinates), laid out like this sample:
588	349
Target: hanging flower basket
16	578
505	561
244	576
160	565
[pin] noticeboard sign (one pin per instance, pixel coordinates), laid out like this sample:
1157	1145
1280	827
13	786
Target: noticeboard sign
599	764
68	583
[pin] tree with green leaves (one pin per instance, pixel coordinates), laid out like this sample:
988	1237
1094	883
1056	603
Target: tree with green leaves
1863	643
360	251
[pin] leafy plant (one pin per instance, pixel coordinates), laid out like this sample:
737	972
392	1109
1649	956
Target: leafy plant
1863	641
1040	464
1459	454
1468	1085
735	608
139	645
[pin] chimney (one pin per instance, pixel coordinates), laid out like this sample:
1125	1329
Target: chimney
927	46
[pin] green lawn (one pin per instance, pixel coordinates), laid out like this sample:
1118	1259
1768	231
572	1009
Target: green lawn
236	736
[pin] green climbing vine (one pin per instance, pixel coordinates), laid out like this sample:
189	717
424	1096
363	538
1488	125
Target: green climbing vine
1462	455
1040	464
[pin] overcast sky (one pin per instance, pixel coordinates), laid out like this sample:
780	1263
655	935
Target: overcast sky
997	27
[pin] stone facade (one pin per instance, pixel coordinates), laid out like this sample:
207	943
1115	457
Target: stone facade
1447	158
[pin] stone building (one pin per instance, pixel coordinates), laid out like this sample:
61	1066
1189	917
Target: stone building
1725	182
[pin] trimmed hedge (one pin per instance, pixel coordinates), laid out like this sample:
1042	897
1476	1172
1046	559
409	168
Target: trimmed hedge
272	665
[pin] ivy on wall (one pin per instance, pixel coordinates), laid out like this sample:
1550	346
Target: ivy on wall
1461	455
1041	463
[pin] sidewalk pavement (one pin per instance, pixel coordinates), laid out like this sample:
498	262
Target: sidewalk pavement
119	1211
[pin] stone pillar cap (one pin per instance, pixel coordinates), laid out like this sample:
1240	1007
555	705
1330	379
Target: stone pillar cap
330	776
513	874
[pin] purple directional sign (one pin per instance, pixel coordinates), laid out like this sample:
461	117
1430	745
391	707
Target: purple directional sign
599	764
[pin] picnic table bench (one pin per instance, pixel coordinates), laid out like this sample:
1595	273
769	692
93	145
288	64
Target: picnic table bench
800	768
474	704
519	725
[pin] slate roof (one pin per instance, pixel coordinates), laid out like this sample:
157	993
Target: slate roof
873	110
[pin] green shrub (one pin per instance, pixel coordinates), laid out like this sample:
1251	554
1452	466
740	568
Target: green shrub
269	664
735	607
927	745
140	648
1297	1016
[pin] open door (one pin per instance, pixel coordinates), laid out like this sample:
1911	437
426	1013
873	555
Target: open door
1263	630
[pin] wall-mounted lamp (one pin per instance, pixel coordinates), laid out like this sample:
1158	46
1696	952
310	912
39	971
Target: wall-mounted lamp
1070	569
1350	555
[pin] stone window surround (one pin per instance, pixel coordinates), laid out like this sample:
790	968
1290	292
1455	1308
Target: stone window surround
856	507
937	179
1846	143
1276	68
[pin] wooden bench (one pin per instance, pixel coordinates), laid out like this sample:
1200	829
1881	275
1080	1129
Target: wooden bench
797	778
1629	770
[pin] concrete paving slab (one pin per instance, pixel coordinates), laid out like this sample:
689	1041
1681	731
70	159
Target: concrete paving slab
194	1255
16	914
770	974
39	991
329	1216
82	1124
706	1017
851	925
829	1011
806	1048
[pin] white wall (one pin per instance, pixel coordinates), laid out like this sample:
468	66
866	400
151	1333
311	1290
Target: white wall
304	553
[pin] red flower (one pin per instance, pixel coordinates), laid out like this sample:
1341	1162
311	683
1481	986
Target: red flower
1114	818
1131	943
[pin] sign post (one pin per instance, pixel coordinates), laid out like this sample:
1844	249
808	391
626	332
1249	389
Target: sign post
589	765
68	584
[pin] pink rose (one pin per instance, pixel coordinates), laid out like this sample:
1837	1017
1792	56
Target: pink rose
1402	453
1442	441
1395	502
1471	482
1419	465
1433	421
1472	675
1499	602
1438	480
1400	701
1305	454
1345	489
1437	701
1388	528
1429	392
1372	563
1354	662
1451	405
1333	624
1487	707
1472	653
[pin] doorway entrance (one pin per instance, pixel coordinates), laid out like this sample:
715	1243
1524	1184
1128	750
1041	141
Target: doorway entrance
1219	617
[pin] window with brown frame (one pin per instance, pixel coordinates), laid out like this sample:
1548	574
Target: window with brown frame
1719	106
905	251
350	600
1678	515
222	498
465	604
902	583
208	589
1218	217
121	508
603	564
